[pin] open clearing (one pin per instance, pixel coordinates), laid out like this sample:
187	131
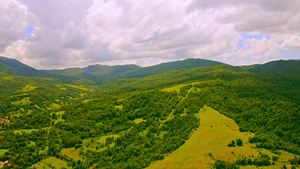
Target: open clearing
3	151
139	120
72	153
79	87
174	88
51	162
28	88
29	130
24	101
213	135
25	131
54	106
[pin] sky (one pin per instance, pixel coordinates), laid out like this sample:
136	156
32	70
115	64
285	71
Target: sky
56	34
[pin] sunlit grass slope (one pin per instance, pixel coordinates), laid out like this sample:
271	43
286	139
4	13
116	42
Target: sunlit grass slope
209	143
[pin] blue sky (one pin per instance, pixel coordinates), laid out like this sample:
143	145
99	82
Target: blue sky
29	30
246	36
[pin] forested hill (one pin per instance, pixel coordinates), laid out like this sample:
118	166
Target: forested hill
12	66
95	72
288	67
131	123
185	64
17	67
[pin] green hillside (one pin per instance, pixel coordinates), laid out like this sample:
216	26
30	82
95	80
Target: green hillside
6	69
19	67
288	67
135	122
21	95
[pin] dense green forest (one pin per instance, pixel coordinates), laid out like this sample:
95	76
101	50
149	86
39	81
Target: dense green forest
130	123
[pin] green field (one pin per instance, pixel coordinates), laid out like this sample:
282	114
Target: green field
209	143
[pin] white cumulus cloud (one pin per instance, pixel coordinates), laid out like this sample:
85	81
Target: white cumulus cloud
79	33
292	43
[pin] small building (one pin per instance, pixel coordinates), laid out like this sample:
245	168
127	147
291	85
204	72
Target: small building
3	121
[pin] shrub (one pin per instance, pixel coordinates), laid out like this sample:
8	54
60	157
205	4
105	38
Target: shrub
77	146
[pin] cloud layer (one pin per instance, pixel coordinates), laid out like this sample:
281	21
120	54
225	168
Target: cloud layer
79	33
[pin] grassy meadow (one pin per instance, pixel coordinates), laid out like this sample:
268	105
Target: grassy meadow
209	143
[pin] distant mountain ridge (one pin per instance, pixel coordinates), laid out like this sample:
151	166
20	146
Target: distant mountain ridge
105	72
100	73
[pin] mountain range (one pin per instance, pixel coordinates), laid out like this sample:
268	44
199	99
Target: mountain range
100	73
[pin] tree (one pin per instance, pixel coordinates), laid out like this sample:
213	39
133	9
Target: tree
239	142
232	144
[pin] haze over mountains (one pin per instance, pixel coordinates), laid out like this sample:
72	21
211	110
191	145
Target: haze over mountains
98	73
